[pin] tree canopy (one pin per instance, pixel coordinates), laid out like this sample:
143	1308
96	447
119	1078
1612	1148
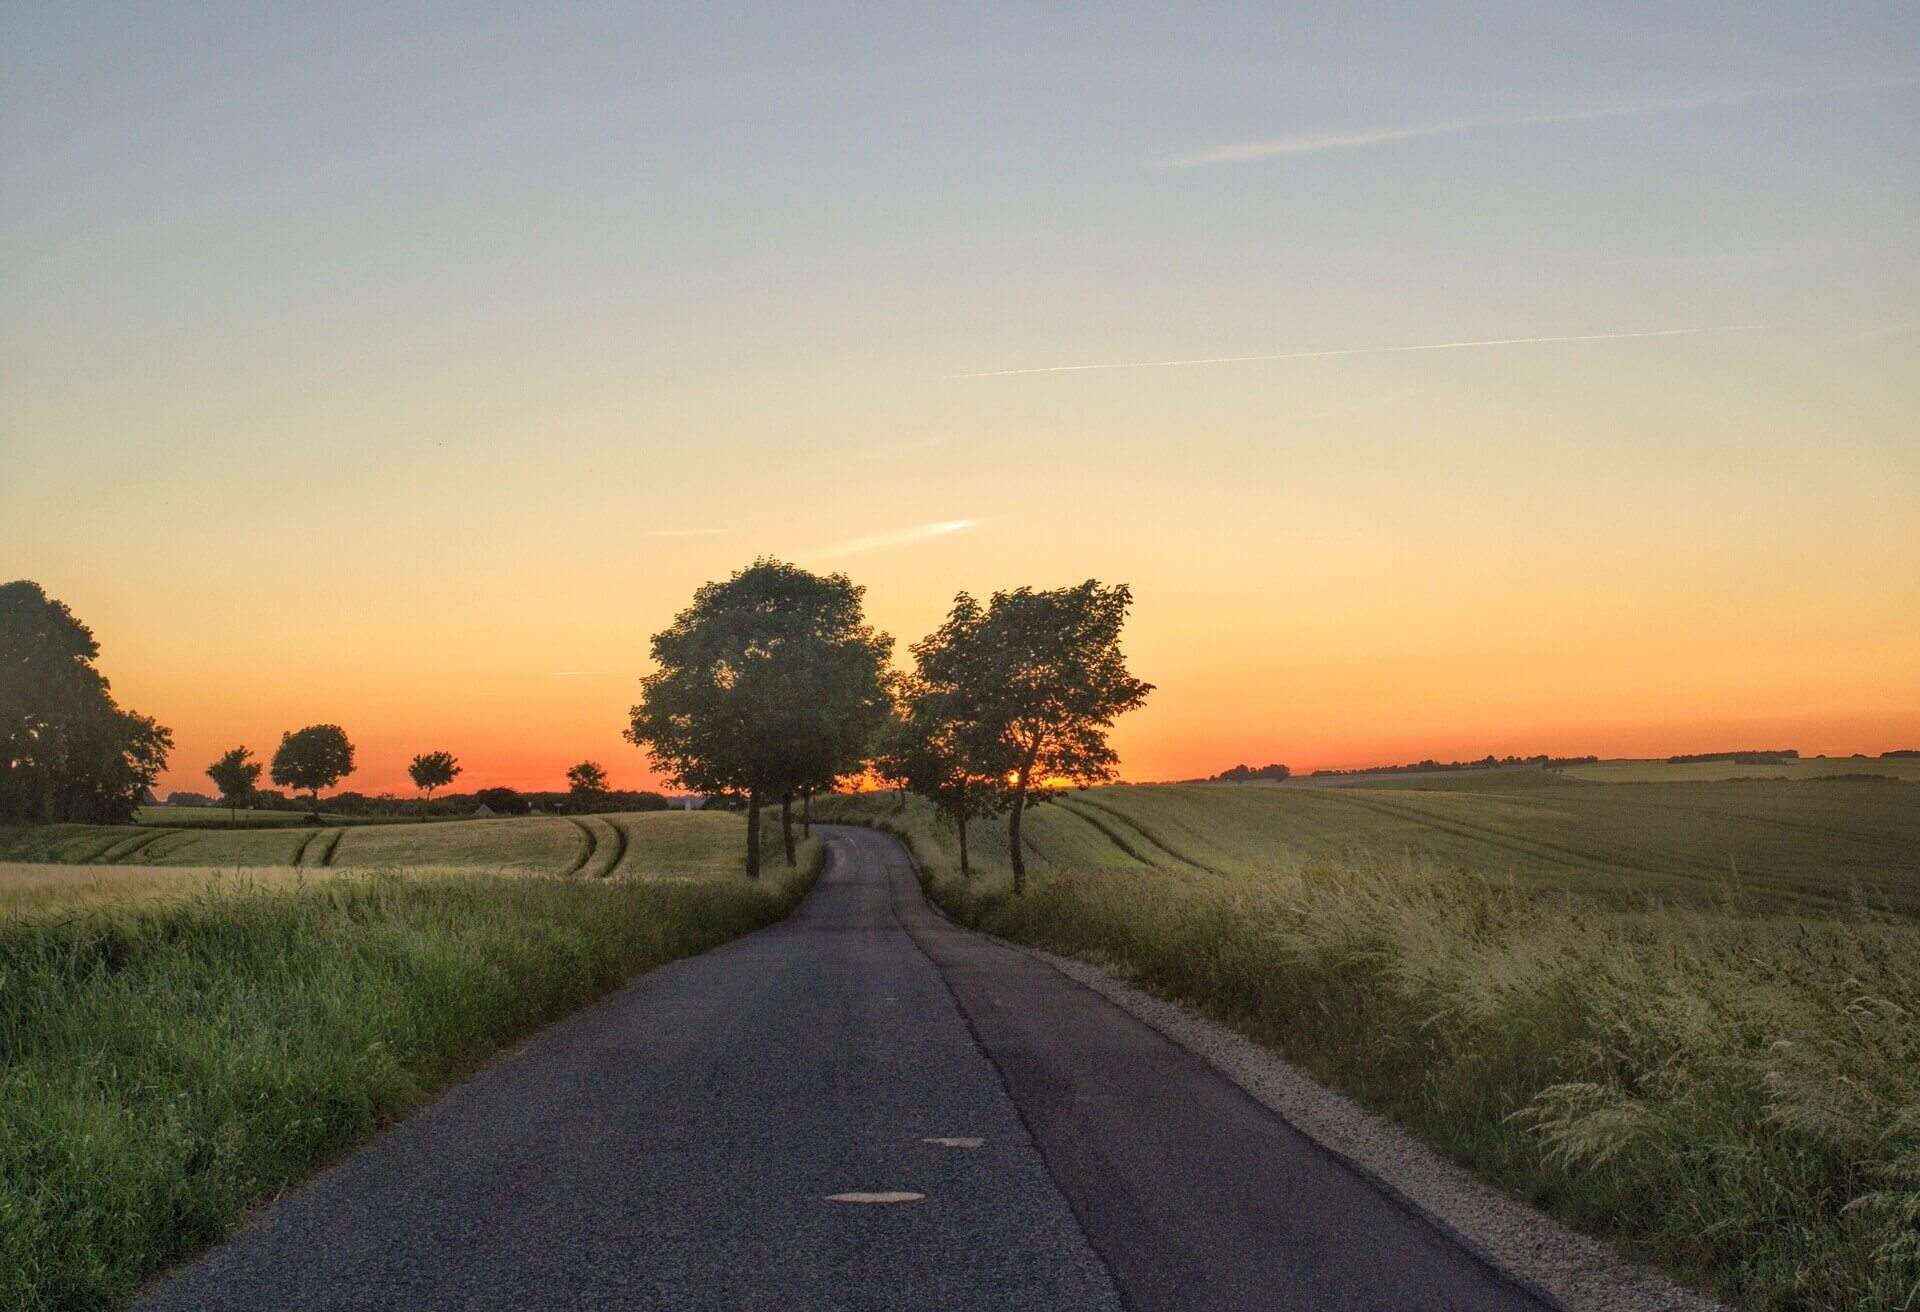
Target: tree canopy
1031	683
587	785
318	756
769	684
67	750
235	774
431	770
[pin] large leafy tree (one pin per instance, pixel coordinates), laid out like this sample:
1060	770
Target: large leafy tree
1033	681
771	683
67	750
318	756
431	770
587	784
235	774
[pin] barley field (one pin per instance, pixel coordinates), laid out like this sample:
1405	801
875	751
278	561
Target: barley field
1684	1017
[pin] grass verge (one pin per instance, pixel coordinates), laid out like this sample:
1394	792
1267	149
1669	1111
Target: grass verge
1730	1094
165	1067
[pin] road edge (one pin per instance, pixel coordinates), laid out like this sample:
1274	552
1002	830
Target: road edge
1522	1243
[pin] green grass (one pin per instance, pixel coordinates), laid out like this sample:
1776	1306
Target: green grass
1720	1076
176	1047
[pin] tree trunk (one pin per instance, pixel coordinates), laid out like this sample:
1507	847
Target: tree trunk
806	813
753	834
1013	821
786	827
313	805
964	871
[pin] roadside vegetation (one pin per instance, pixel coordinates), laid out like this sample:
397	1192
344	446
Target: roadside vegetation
1720	1072
178	1045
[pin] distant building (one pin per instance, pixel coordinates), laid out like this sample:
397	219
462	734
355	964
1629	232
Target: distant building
482	811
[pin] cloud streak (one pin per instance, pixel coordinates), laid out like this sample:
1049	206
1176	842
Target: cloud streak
686	532
899	537
1241	152
1356	350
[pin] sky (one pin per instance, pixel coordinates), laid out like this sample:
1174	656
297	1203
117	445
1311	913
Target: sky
1443	380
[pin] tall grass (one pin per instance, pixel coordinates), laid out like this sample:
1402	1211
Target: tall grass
165	1067
1734	1096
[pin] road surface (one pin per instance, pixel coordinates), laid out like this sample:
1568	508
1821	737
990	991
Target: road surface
702	1139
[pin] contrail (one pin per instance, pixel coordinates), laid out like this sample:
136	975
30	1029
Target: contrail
1358	350
899	537
1240	152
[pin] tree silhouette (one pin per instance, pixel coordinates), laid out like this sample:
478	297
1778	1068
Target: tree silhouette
766	685
318	756
1035	680
67	750
431	770
931	751
235	774
587	782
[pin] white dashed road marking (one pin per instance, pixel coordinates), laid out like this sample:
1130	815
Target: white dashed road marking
892	1196
956	1142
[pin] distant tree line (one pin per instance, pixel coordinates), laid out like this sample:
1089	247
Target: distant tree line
1241	774
1904	753
1489	762
1764	757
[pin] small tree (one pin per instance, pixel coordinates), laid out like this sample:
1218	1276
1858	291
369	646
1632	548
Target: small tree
930	754
235	774
1035	680
431	770
318	756
587	783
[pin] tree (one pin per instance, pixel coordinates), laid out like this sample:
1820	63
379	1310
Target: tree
1036	679
502	801
318	756
930	750
235	774
67	750
587	785
767	685
431	770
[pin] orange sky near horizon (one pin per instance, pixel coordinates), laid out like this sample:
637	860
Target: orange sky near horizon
1545	379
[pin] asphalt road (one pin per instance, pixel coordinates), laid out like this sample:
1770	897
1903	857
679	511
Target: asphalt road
681	1144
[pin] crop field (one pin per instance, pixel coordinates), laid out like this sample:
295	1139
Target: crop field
649	843
1778	846
1815	767
1684	1017
214	817
194	1028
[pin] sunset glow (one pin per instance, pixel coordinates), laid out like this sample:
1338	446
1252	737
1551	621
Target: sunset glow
1430	408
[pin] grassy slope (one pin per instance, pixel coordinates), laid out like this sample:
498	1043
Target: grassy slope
174	1050
1655	1055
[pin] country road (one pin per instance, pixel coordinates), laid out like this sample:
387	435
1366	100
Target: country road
682	1144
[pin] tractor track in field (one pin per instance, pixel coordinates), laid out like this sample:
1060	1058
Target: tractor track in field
119	852
1145	833
589	845
620	840
324	856
1107	832
1571	857
300	852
